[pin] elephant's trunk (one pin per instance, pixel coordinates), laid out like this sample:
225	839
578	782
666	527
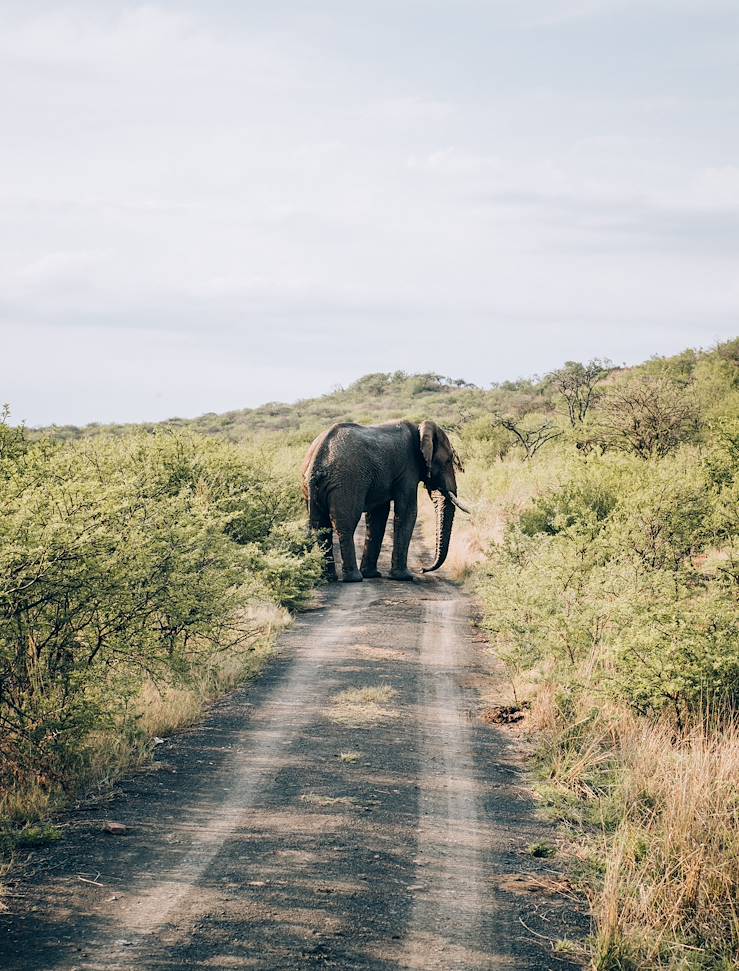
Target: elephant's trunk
444	520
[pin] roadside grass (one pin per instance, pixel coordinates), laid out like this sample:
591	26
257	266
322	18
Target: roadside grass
670	891
167	709
649	826
360	707
651	823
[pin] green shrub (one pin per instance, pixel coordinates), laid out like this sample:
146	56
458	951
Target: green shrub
607	577
586	499
123	560
677	647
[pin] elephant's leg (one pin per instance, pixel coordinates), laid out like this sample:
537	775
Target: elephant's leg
404	520
375	522
324	532
345	523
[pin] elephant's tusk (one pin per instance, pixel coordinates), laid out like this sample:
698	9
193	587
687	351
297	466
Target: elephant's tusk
458	504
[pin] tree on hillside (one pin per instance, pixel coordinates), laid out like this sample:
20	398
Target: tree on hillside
374	384
12	439
729	351
577	384
647	416
530	435
680	368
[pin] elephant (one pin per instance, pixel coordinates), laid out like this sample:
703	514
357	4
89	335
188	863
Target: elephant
352	469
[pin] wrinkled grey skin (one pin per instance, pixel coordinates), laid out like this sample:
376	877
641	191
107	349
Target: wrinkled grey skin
353	469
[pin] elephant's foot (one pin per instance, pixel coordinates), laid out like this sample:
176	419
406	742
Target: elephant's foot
354	576
370	573
401	575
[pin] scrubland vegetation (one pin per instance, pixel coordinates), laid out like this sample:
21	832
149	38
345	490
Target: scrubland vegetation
138	565
607	563
141	576
372	399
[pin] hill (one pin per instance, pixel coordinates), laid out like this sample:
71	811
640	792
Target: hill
453	402
373	398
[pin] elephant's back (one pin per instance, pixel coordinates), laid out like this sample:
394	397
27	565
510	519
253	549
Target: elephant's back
348	444
323	449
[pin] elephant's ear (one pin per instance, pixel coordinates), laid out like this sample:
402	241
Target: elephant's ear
427	433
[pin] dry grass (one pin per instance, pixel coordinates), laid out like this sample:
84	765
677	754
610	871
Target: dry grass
28	802
350	757
167	709
361	707
672	870
316	799
656	822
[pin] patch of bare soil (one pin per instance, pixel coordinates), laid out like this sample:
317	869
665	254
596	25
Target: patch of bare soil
504	714
278	835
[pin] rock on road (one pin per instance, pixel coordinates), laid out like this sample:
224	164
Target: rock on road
253	843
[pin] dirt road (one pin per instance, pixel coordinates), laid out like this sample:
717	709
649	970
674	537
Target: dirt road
303	827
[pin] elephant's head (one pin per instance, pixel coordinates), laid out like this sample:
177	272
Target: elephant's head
440	461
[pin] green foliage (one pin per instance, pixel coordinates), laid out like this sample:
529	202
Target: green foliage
125	559
30	837
605	573
677	646
586	498
722	469
577	386
646	415
678	370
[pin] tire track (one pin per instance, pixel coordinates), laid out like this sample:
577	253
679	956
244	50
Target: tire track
446	917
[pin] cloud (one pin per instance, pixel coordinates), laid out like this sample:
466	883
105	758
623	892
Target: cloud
265	191
554	13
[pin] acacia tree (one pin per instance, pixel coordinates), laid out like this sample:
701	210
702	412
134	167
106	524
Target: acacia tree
532	435
647	416
577	385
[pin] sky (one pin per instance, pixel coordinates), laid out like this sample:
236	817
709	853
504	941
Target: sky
209	205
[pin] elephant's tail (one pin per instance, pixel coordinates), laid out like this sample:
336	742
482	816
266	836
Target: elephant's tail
317	500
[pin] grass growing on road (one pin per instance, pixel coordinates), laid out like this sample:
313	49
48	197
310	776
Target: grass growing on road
360	707
316	799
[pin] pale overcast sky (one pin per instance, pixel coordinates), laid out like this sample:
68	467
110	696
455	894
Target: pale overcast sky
207	205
